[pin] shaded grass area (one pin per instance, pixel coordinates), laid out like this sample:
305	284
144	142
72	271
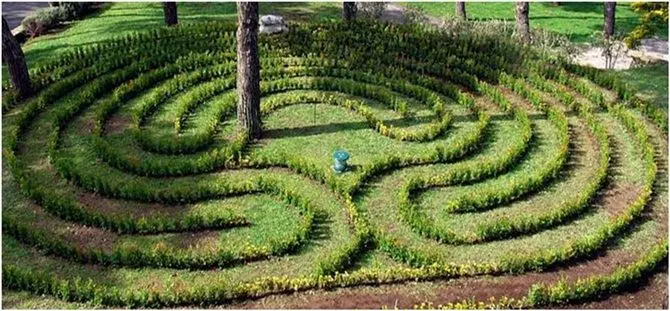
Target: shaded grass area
579	20
651	81
126	17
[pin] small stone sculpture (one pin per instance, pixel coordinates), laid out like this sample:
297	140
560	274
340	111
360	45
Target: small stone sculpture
272	24
341	158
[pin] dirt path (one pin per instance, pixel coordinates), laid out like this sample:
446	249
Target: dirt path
649	50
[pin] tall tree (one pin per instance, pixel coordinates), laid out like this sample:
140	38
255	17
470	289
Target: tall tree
12	55
170	12
348	10
608	27
522	24
460	10
248	70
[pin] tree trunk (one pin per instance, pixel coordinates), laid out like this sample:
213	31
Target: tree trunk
170	12
608	27
248	70
54	4
348	10
460	10
522	25
12	55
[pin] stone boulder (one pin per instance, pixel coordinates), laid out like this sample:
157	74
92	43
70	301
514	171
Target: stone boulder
272	24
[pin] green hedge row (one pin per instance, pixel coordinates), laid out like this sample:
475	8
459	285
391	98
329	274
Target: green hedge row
214	36
52	202
591	244
562	293
329	81
624	92
527	184
37	104
163	257
600	286
147	166
579	249
390	43
488	197
78	67
544	85
539	295
569	209
519	87
496	96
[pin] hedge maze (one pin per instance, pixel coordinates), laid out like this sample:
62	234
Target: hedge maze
126	183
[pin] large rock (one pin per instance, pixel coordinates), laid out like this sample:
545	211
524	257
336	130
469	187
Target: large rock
272	24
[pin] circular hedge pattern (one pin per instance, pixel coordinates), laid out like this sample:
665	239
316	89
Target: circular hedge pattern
469	156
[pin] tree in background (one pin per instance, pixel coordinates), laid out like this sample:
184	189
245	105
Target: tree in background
170	12
522	24
653	16
460	10
608	27
348	10
248	70
12	55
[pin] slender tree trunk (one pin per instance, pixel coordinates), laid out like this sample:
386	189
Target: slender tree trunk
12	55
348	10
170	12
608	27
460	10
248	70
522	24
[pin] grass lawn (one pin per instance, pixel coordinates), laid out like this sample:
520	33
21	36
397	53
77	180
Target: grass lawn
126	17
652	81
577	19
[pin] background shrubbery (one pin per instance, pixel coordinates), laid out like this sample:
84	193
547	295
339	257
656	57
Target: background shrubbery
45	19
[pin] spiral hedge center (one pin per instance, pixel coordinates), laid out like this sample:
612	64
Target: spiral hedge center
129	184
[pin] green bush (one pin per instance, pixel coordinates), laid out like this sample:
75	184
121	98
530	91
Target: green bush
45	19
42	21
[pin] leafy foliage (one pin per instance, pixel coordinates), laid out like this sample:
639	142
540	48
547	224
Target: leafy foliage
133	142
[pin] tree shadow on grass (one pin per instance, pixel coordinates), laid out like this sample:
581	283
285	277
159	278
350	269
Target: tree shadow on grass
577	7
116	20
319	129
314	130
